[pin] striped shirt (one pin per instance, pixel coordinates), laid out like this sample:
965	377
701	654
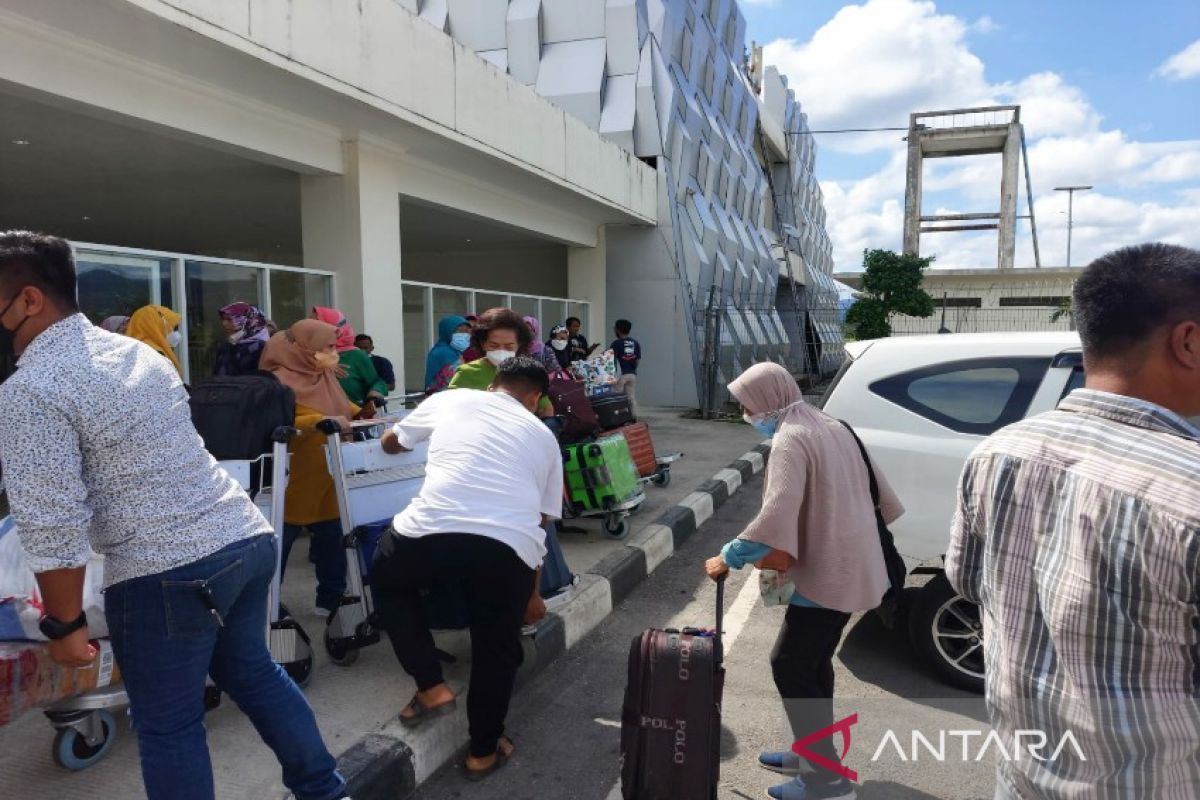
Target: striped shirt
1078	532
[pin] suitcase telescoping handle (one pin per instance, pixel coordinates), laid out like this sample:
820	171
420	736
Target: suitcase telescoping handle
720	617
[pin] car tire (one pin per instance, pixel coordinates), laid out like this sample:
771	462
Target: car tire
946	633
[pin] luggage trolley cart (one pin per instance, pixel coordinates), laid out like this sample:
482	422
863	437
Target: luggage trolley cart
86	724
370	486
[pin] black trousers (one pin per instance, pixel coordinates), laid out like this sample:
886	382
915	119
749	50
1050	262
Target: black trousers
496	585
802	663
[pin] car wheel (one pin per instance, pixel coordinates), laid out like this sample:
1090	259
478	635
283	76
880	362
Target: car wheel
946	631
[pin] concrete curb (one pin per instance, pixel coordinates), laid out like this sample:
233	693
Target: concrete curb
392	762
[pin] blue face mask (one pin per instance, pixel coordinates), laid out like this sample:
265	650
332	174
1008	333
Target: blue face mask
460	341
766	426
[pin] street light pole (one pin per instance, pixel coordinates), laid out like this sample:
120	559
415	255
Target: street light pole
1070	190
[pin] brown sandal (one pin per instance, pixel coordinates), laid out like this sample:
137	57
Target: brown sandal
502	757
422	712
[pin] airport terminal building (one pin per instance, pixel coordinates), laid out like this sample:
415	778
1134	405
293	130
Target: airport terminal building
408	159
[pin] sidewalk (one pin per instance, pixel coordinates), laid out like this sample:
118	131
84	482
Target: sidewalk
355	705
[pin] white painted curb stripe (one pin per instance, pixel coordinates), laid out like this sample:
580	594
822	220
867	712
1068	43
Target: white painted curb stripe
701	504
739	612
756	461
731	478
657	542
590	603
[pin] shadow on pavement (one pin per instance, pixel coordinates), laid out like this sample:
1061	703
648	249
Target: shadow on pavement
884	658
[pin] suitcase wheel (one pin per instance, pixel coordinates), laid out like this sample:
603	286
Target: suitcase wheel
615	526
341	651
595	451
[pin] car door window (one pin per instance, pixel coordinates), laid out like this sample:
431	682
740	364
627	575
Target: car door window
977	397
1074	382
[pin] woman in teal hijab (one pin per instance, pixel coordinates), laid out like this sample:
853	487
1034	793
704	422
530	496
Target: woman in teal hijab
454	336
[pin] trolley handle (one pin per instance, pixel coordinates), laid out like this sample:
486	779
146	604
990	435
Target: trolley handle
284	434
329	427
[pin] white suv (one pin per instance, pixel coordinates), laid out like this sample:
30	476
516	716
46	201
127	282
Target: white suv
921	404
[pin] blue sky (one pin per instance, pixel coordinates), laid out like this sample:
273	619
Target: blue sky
1102	102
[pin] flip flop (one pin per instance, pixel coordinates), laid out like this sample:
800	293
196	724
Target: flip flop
476	775
422	712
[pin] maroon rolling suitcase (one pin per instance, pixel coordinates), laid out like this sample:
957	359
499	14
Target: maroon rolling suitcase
671	720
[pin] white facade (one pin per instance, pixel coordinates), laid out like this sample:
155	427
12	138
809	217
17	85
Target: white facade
605	155
739	259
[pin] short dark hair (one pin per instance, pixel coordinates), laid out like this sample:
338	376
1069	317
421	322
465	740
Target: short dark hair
524	374
1123	297
362	336
501	319
572	319
623	326
41	260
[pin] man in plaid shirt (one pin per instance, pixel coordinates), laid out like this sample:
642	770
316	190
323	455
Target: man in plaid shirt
1078	532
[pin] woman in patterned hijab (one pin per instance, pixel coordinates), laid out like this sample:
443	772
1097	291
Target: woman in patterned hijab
247	331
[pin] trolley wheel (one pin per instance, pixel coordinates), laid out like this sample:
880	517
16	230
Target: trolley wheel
340	651
615	526
300	671
662	477
71	749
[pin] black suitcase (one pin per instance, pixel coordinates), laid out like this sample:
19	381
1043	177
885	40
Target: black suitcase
671	719
613	411
236	416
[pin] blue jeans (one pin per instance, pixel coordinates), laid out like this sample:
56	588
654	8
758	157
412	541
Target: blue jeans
166	639
329	559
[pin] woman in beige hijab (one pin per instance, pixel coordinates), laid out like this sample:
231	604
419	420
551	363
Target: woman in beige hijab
305	359
817	541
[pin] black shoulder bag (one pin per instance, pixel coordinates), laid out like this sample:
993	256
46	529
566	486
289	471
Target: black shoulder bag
897	570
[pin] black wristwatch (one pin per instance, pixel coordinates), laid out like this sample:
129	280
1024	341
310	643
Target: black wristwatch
54	629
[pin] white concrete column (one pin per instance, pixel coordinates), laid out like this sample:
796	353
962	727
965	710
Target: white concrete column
1009	179
351	224
587	279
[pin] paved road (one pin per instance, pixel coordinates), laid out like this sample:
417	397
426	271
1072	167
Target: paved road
566	722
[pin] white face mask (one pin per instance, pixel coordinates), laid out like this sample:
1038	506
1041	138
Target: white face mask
558	344
498	357
174	338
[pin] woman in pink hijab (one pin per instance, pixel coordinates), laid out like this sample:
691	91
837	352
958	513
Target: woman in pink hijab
817	541
358	377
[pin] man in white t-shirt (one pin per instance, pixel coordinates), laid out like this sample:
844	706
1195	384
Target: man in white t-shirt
493	478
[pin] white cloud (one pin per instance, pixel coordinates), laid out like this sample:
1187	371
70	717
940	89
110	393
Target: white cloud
872	64
1183	65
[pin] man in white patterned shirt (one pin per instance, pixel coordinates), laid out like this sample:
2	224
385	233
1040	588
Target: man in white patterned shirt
99	452
1078	532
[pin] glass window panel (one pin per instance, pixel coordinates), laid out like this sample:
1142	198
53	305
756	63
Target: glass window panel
554	312
293	294
486	300
525	306
579	310
210	287
110	286
450	303
416	338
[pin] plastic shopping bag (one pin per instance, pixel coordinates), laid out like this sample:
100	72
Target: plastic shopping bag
20	600
596	372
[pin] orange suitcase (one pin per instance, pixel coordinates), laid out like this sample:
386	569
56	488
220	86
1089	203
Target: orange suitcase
641	446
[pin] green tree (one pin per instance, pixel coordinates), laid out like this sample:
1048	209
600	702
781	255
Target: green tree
891	285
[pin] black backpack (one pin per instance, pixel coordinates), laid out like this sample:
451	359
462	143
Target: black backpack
236	415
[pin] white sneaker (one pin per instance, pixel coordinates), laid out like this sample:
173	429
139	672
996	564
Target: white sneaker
323	613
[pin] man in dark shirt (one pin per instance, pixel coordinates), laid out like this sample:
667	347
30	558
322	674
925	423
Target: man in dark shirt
382	365
578	343
628	353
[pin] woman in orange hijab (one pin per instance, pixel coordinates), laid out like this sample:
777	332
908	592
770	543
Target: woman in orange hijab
157	326
305	359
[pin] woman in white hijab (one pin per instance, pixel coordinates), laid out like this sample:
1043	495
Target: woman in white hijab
817	542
